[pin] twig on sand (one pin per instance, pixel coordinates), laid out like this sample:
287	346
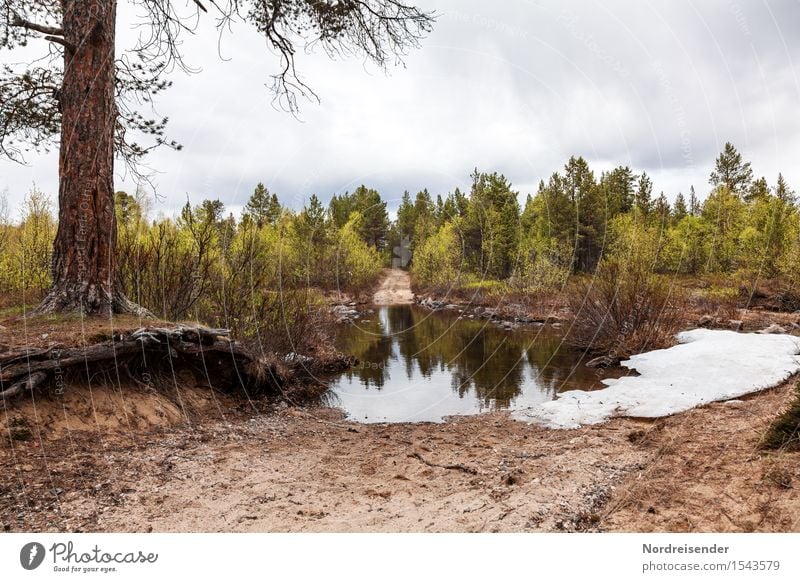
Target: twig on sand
454	467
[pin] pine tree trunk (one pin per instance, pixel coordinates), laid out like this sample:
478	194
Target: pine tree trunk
83	259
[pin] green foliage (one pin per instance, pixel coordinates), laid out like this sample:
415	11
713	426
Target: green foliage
679	209
488	289
634	241
783	192
545	264
357	263
26	250
767	234
723	212
618	188
438	260
758	189
491	226
203	262
551	214
373	226
311	237
789	262
685	250
643	199
590	210
424	214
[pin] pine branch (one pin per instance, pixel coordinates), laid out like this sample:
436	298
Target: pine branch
49	30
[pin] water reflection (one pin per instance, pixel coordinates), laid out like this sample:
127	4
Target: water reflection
423	366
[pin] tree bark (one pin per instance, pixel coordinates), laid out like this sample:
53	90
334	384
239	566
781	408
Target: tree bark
83	253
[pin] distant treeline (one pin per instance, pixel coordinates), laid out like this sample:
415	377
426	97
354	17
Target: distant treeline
207	261
576	219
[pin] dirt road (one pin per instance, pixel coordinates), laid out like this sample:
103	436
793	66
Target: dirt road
308	470
395	289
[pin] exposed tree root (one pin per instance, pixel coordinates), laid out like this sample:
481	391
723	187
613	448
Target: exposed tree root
28	383
143	353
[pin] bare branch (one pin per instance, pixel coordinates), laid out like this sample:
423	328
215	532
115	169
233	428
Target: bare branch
44	29
61	41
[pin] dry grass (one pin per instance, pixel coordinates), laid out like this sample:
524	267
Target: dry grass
707	473
784	432
66	330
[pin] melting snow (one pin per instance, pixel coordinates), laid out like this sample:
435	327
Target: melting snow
706	366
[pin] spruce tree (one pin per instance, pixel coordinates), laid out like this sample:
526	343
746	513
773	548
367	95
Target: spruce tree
461	202
406	217
591	212
340	208
491	226
661	209
314	213
694	203
449	210
643	200
424	216
783	192
619	187
679	209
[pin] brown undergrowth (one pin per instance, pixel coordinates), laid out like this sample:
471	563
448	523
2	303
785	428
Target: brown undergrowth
624	309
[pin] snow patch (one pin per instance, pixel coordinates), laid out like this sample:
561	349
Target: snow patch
706	366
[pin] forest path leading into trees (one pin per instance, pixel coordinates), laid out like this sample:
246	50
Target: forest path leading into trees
395	288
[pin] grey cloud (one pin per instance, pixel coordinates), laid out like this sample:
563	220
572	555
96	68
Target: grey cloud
516	87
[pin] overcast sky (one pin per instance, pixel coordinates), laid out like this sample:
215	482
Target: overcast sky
514	86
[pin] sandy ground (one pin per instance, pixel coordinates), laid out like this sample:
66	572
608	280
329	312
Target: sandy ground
132	468
395	289
120	458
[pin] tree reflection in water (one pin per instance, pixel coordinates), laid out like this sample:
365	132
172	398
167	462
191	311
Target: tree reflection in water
421	366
